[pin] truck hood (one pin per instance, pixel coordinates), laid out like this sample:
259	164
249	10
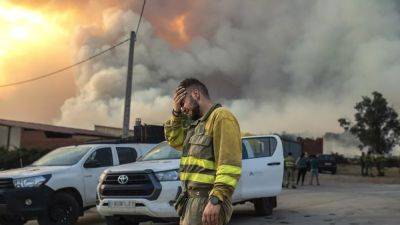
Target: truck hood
155	165
31	171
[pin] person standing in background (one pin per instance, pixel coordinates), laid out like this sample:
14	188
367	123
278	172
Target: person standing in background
289	171
368	164
314	169
301	164
362	163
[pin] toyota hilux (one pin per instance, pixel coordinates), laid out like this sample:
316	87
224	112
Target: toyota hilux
147	189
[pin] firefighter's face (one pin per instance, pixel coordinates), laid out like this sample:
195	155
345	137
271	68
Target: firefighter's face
190	105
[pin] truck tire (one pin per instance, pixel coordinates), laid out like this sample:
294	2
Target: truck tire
11	220
62	210
263	207
333	171
114	220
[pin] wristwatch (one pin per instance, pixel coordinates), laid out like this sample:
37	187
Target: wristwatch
176	113
215	200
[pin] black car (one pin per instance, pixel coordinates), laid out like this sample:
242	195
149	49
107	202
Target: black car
327	163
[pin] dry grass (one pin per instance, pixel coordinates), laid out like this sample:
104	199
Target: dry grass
352	173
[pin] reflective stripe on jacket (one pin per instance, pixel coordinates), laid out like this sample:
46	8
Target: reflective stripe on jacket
289	162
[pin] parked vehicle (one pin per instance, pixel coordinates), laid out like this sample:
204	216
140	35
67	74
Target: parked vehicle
60	186
146	190
327	163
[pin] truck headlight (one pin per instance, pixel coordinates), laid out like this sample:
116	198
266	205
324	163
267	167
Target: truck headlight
170	175
29	182
102	176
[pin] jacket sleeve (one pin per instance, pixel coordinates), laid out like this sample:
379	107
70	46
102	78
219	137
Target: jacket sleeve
175	131
228	156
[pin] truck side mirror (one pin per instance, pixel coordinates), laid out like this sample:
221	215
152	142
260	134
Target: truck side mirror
92	164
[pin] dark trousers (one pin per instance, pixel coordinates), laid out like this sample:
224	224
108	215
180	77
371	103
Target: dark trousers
302	173
364	171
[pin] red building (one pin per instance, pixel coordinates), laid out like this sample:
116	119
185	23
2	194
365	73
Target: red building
312	146
17	134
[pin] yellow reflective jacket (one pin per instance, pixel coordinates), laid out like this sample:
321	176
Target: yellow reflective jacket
289	162
211	151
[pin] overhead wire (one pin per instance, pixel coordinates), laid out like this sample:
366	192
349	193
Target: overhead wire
56	72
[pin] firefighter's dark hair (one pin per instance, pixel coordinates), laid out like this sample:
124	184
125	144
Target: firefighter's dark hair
194	83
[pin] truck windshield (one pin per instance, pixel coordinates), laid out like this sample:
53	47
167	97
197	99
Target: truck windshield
160	152
65	156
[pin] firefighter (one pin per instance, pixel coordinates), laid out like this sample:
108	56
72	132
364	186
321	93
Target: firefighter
362	163
368	164
210	167
289	171
380	164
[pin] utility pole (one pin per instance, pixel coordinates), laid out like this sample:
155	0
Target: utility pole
128	93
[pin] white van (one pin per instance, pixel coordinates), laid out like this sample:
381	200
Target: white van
60	186
146	190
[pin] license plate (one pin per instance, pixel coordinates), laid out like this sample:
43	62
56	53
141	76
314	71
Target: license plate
121	204
328	164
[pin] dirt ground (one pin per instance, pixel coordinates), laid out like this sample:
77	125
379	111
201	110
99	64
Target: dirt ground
341	199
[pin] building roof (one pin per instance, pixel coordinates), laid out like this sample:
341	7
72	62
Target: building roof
52	128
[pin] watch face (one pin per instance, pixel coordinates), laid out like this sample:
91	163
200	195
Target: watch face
214	200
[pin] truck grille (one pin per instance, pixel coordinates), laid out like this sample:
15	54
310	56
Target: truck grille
112	179
138	185
2	200
6	183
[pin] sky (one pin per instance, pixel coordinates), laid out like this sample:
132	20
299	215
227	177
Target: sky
281	65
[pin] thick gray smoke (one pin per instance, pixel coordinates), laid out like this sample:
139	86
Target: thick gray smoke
280	65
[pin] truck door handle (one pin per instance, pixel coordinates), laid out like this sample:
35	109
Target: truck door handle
88	175
274	164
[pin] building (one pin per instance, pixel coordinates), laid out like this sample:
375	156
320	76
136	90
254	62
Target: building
113	131
312	146
291	146
17	134
141	133
297	145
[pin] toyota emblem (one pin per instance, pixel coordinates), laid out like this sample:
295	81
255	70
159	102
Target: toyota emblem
123	179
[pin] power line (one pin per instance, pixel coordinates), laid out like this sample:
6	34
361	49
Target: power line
63	69
77	63
140	18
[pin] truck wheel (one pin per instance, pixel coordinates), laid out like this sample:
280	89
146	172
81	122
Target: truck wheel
62	210
263	207
333	171
118	220
11	220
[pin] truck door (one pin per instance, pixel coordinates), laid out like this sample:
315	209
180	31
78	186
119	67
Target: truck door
97	162
238	191
262	172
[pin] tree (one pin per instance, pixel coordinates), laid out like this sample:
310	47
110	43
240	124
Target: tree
376	125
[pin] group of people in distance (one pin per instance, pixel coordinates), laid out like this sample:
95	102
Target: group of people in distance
302	164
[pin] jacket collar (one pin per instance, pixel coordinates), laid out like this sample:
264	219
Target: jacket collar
205	117
214	107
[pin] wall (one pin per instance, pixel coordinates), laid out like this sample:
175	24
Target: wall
10	137
311	146
34	139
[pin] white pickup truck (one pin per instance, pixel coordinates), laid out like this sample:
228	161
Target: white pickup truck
60	186
146	190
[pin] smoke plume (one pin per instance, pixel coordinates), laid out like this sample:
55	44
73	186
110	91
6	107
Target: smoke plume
279	65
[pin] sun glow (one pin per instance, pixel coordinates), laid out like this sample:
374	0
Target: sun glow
21	29
27	34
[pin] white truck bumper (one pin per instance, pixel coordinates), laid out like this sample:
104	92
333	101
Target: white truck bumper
162	207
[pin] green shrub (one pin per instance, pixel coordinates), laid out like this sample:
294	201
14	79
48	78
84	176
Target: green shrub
19	157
